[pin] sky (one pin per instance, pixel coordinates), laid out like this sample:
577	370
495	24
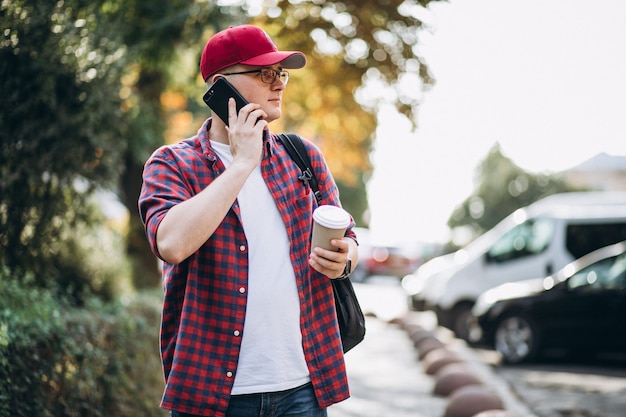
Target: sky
545	79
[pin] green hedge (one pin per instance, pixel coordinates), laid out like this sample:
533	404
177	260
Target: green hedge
58	360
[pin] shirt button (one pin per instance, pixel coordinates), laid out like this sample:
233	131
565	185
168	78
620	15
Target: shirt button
236	333
229	374
242	248
242	290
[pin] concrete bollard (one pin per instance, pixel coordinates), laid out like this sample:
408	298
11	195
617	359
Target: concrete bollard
496	413
453	376
438	358
471	400
417	335
400	321
427	344
454	367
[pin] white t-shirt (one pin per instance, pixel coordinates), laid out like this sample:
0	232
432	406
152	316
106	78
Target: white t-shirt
271	356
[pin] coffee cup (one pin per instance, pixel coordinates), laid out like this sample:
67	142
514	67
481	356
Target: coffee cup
329	222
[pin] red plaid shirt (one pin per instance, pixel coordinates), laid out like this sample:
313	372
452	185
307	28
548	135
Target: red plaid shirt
204	304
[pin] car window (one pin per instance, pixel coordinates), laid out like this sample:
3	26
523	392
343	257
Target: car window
584	238
617	275
529	238
608	273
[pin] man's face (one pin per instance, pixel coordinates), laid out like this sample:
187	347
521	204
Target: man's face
255	90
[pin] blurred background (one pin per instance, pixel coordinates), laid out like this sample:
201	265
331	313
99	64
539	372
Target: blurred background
538	82
437	118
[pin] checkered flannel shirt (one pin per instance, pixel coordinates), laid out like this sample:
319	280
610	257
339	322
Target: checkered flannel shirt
205	296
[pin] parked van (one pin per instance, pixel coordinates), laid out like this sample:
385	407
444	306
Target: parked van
532	242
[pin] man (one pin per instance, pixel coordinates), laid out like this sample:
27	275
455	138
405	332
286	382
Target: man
248	325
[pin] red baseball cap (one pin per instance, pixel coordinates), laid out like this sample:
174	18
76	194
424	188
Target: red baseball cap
245	44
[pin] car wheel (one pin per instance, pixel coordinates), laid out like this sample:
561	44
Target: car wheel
516	339
462	315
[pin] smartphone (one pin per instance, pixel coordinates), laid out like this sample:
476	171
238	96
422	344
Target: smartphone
217	97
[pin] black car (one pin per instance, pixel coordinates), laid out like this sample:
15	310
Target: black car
581	308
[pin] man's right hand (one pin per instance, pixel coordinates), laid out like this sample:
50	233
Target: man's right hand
245	132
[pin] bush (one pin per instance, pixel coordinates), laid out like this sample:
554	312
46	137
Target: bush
58	360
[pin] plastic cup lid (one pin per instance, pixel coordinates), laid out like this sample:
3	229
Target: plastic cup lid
332	217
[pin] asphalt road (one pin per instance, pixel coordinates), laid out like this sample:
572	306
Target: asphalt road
570	389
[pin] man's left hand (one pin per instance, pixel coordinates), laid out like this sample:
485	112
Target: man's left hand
328	262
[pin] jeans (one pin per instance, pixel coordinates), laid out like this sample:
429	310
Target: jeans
295	402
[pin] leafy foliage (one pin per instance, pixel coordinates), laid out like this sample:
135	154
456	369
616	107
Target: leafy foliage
56	360
59	118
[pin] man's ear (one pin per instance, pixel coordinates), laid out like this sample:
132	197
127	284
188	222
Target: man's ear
211	80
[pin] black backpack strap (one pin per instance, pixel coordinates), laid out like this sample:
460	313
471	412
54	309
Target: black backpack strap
296	149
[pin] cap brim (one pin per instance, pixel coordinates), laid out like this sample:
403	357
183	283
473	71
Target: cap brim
288	59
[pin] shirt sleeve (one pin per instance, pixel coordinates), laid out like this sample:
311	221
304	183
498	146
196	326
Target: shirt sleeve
164	186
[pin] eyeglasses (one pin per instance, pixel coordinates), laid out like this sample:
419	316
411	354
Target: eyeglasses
268	75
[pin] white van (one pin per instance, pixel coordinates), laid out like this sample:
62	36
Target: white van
534	241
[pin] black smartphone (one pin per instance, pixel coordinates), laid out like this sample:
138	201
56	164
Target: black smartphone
217	97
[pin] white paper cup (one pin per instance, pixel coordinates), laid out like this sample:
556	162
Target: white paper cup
329	222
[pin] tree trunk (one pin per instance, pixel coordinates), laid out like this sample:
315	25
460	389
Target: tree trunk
146	271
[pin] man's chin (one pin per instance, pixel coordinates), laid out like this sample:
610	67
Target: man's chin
273	116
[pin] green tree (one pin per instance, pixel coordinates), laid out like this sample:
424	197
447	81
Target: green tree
501	188
59	126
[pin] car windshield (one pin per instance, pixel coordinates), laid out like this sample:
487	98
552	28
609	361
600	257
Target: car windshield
529	238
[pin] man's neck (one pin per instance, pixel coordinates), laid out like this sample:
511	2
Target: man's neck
217	131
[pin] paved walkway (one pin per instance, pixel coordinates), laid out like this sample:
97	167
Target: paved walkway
386	379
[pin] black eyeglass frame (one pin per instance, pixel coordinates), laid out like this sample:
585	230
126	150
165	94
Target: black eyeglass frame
280	74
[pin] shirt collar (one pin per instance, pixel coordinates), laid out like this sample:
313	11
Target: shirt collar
203	134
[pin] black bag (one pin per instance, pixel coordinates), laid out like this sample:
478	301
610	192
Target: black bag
349	314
